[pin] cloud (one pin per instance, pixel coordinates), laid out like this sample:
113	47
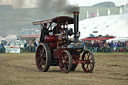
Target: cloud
14	3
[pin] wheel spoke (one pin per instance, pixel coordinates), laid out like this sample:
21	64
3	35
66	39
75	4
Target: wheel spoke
90	59
87	66
41	63
88	55
65	67
90	65
42	52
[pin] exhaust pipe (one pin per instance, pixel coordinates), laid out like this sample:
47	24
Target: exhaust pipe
76	25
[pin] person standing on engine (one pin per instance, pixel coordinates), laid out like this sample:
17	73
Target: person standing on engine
44	32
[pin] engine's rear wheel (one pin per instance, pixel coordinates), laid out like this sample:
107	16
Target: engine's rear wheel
65	61
43	57
88	58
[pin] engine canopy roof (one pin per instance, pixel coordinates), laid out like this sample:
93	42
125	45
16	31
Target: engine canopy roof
60	20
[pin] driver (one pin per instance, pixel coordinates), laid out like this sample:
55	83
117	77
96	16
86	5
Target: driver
57	29
44	32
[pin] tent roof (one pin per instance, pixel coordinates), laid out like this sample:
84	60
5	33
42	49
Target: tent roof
97	38
30	36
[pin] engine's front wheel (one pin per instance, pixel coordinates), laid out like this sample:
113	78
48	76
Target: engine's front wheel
88	61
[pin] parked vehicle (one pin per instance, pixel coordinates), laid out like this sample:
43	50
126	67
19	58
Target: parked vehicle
14	46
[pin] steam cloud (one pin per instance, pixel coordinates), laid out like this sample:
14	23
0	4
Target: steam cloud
53	6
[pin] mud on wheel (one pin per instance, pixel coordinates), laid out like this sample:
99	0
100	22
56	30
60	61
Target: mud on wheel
88	58
43	57
65	61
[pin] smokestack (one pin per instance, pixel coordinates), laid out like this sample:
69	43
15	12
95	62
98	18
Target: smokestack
76	25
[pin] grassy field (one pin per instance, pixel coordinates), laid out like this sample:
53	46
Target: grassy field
20	69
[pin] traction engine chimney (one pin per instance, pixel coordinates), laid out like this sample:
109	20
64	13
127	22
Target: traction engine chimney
76	25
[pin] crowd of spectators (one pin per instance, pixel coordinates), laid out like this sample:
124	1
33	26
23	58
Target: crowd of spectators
107	46
96	46
30	46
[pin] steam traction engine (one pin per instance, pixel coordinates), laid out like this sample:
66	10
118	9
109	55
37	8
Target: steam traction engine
59	49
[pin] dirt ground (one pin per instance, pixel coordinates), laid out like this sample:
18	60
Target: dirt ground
20	69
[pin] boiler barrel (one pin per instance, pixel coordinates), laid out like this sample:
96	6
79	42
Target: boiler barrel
51	39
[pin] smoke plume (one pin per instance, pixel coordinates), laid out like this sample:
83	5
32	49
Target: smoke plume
47	6
54	6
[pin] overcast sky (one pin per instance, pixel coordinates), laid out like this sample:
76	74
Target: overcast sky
92	2
31	3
